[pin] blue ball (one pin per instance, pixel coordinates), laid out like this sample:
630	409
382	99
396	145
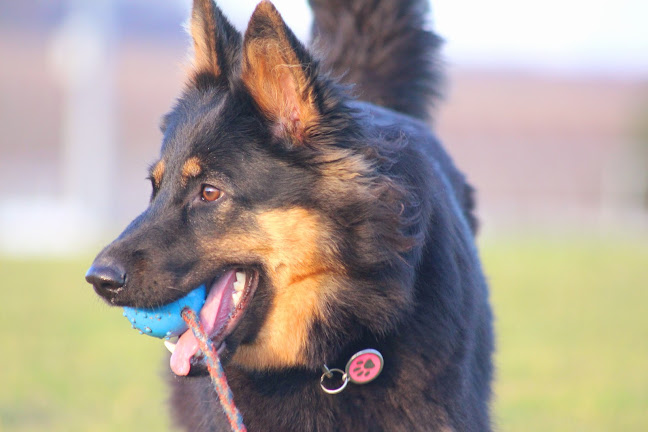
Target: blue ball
166	321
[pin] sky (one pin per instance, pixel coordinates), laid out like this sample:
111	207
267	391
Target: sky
561	36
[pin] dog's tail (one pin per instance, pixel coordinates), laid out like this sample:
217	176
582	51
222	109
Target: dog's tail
383	48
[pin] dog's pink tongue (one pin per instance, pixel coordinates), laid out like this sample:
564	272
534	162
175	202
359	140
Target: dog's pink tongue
215	311
186	347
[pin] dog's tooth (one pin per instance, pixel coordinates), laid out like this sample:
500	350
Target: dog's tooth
238	286
240	281
170	346
240	277
237	297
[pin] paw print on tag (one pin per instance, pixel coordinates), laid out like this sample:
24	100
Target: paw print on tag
364	366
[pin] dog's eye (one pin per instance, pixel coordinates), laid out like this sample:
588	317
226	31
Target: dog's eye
210	193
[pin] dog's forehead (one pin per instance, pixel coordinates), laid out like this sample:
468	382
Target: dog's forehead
202	129
194	122
208	130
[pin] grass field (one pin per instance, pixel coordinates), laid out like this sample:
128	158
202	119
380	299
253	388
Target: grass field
571	318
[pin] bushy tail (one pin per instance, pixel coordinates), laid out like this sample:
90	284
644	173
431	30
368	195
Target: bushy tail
382	47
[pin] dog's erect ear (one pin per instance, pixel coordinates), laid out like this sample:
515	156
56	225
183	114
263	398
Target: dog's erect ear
278	73
216	43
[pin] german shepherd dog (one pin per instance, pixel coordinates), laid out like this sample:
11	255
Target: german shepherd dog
325	218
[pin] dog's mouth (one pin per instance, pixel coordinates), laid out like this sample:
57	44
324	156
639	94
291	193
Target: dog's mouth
227	298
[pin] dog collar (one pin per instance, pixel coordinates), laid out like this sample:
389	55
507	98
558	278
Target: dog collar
362	368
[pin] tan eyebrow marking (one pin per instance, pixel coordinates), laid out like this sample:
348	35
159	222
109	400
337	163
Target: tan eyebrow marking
157	172
191	168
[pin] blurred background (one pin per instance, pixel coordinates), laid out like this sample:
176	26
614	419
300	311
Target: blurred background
546	111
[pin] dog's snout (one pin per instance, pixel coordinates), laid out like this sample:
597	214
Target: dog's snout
106	278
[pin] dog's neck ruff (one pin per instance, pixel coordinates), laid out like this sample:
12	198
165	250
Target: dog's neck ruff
362	368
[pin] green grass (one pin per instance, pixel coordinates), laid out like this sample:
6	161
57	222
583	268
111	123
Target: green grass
571	319
572	331
69	362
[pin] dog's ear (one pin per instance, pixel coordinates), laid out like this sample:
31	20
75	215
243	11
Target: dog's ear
279	74
217	43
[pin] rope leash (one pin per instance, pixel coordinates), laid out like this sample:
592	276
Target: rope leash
216	371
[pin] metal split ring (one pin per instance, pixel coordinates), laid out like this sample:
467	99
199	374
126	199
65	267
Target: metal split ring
328	373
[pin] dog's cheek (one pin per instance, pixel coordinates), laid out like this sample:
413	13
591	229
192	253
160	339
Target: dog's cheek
299	277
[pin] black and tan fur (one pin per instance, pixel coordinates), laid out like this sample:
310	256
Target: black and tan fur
356	220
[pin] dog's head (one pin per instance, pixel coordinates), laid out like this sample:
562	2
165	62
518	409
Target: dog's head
267	171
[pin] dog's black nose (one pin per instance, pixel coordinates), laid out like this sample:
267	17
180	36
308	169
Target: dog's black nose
106	278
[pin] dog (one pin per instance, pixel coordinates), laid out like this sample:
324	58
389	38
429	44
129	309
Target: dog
306	189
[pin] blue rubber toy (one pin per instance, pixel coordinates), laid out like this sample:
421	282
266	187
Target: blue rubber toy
166	321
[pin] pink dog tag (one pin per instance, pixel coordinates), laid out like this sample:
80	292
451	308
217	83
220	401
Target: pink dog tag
364	366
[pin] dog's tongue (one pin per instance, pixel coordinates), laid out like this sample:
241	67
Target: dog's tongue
213	316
